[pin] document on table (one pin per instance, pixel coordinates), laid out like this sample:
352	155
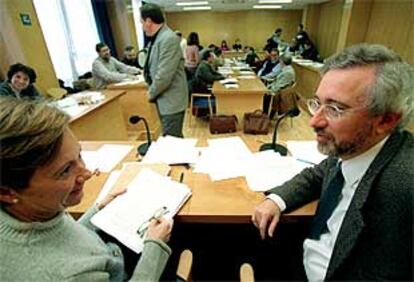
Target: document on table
140	79
106	157
268	169
305	151
145	195
119	179
224	158
172	150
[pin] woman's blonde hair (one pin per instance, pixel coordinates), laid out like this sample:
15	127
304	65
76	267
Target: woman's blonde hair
30	137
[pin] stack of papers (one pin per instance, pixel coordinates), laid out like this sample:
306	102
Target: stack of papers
305	151
228	81
172	150
145	195
224	158
140	79
268	169
246	77
106	158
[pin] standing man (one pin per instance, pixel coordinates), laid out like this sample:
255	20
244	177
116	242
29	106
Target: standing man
363	226
106	69
164	71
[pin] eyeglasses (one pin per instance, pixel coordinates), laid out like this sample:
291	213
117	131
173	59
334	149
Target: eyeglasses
331	111
142	229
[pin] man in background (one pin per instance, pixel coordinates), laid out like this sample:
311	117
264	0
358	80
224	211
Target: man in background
183	41
363	225
130	56
164	71
106	69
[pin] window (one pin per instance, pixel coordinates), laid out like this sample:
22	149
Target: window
70	33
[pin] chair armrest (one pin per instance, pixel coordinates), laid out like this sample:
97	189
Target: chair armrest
184	266
246	273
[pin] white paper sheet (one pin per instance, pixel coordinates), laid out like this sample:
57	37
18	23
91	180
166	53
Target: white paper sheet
106	158
306	151
148	192
172	150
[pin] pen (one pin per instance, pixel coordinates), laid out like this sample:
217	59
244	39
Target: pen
157	215
305	161
181	177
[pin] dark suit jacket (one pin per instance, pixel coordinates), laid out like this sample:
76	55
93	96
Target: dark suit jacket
375	241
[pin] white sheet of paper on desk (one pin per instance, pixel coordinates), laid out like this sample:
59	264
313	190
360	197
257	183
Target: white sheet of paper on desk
231	86
228	80
172	150
106	158
224	158
140	79
268	169
246	77
110	181
305	150
148	192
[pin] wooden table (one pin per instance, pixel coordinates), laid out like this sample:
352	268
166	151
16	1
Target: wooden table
135	102
226	201
102	121
247	98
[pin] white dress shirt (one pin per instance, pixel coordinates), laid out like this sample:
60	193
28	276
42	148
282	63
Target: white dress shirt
317	253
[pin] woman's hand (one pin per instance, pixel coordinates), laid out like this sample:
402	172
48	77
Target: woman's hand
160	229
111	195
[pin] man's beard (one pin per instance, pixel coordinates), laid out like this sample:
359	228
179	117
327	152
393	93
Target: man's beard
106	59
332	148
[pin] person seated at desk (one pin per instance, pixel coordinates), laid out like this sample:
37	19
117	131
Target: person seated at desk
252	59
309	52
285	78
274	40
130	57
269	64
224	46
106	69
363	226
205	74
42	174
237	45
19	83
301	36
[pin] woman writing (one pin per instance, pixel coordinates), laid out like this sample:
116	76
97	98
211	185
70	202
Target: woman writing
42	173
19	83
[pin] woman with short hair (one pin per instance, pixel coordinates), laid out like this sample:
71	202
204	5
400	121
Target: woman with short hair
19	83
41	174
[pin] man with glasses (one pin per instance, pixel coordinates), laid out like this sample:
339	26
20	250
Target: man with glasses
363	226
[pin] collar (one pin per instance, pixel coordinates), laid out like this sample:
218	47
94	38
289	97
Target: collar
354	169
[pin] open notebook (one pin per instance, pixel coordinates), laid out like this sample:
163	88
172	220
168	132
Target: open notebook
146	194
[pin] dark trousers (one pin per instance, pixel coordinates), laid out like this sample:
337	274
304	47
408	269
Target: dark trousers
172	124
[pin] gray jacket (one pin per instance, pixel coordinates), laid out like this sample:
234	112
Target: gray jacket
375	241
167	81
105	73
285	78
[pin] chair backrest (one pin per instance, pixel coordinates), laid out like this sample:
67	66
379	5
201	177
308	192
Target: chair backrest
286	99
185	264
56	93
246	273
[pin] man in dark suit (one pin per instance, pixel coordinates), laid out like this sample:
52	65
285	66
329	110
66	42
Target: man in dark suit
164	70
363	226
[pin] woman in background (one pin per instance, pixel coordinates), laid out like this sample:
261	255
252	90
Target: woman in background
42	173
192	54
223	46
19	83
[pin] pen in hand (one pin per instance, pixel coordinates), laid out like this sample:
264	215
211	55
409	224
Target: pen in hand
181	177
157	215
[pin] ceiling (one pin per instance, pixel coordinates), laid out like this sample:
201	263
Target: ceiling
232	5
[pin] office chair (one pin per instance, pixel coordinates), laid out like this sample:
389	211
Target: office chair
185	264
246	273
202	101
284	100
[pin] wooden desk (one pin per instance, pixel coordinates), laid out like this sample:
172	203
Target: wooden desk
135	102
247	98
226	201
103	121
